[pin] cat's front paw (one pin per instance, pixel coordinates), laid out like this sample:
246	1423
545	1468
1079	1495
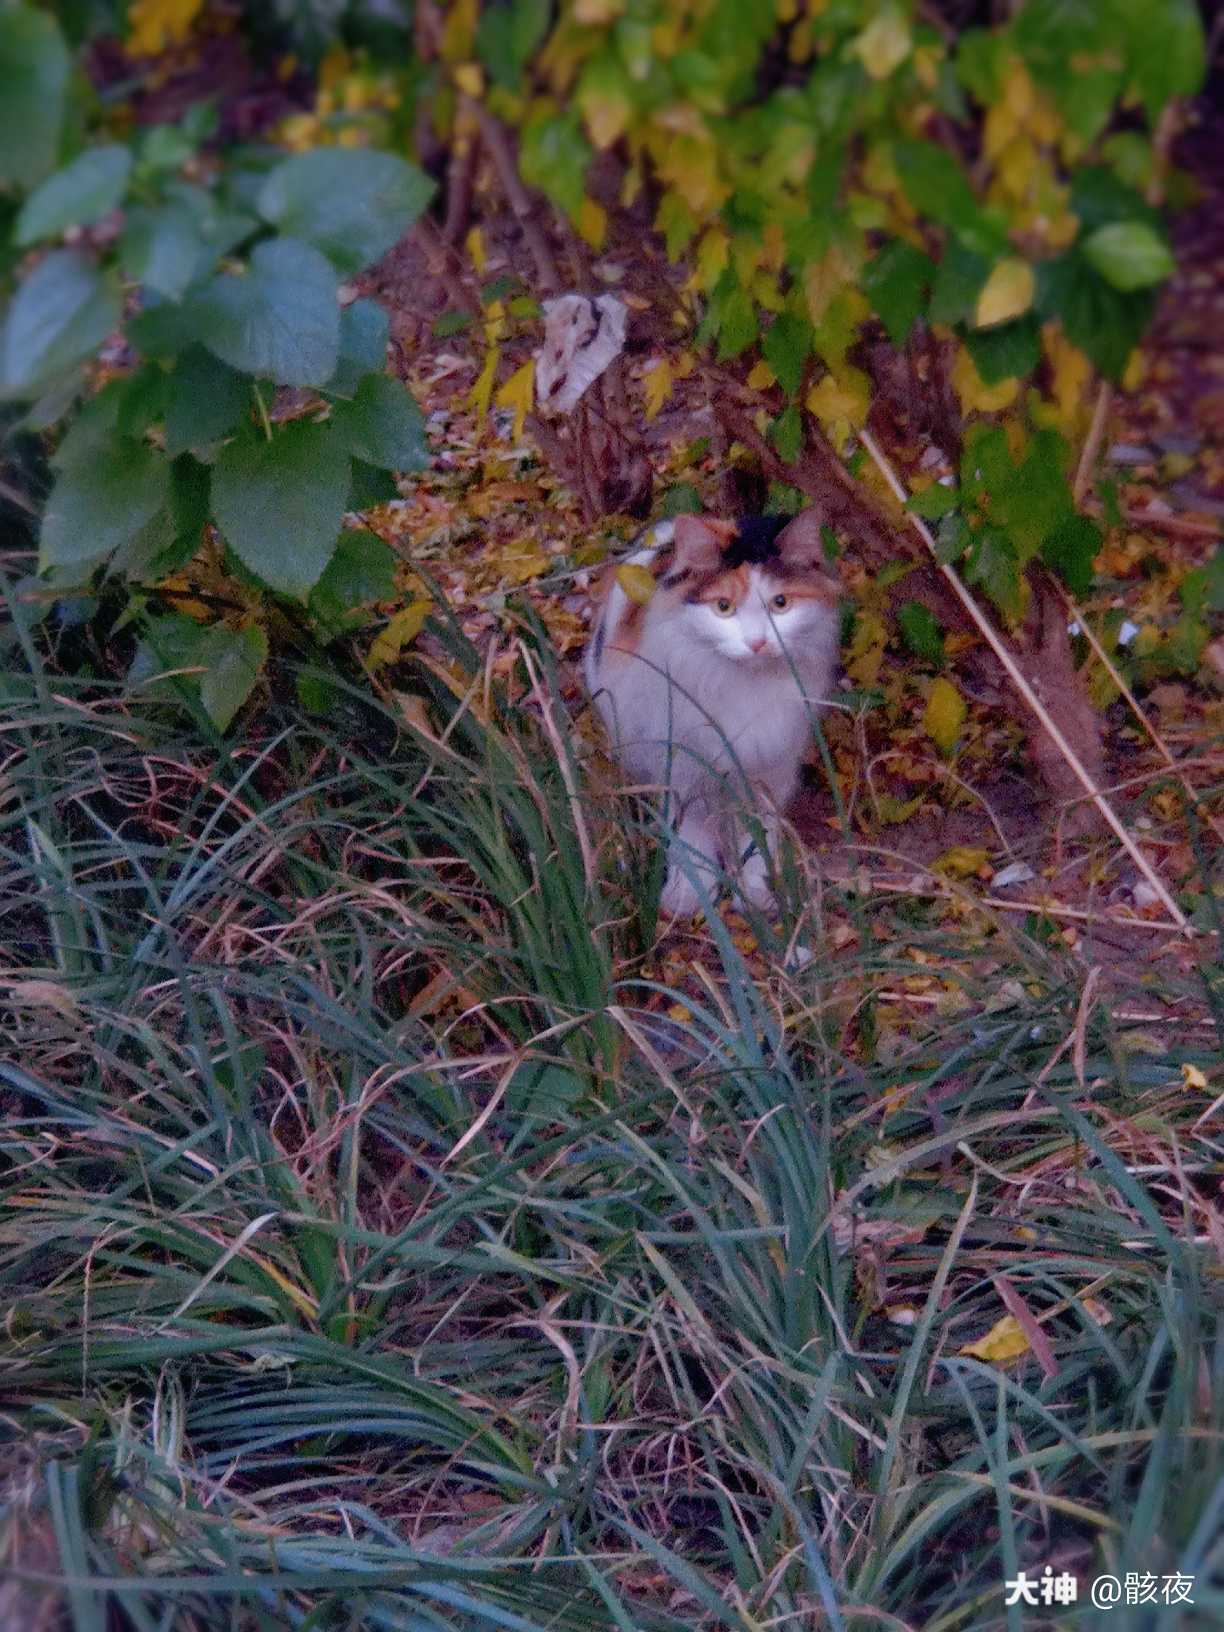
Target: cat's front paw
754	883
679	898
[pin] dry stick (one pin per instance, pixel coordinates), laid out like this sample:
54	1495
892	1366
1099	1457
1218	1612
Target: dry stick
497	145
1092	445
1026	691
1161	747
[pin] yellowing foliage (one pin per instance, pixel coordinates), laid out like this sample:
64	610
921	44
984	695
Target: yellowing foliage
974	394
885	43
1004	1341
518	393
401	631
944	715
637	581
1007	293
155	24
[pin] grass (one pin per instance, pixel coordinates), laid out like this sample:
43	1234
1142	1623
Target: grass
395	1235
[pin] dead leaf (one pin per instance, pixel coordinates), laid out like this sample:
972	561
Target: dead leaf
637	581
1004	1341
944	715
401	631
517	394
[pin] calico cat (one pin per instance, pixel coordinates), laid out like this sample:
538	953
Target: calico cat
713	682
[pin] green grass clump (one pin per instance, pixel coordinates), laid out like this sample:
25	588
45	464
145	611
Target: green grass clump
383	1247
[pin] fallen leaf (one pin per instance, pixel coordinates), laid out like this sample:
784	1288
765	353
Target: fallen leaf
518	393
1004	1341
944	715
401	631
1192	1077
637	581
482	390
963	861
658	383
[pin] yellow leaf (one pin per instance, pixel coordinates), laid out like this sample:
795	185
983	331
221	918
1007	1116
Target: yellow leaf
1070	375
637	581
518	393
822	280
523	560
1008	293
973	393
1192	1077
401	631
178	586
884	44
593	223
963	860
713	253
478	397
606	109
761	377
866	651
469	79
155	24
1004	1341
658	383
944	715
1136	368
840	402
459	30
475	246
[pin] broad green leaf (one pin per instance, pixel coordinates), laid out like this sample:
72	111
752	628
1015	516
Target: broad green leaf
105	495
786	434
361	572
279	504
922	633
959	277
553	156
896	283
59	316
382	425
279	320
1165	50
83	192
1009	351
508	33
938	188
991	563
933	502
1071	550
162	248
207	401
736	320
364	328
787	347
605	96
370	486
1100	197
1104	322
353	204
1129	255
234	661
34	69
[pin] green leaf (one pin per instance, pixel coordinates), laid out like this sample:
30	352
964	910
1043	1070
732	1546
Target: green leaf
786	434
1071	549
1099	196
681	499
933	502
938	188
960	278
1129	255
106	493
280	320
922	633
1104	322
162	248
59	316
382	425
364	328
1010	350
787	346
235	660
736	319
1166	50
207	401
361	572
370	486
351	203
553	156
507	36
280	504
992	564
34	70
83	192
896	282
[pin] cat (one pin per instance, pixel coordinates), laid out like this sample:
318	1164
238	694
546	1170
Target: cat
714	680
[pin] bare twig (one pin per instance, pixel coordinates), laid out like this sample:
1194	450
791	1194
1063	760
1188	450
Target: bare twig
498	145
1092	444
1028	694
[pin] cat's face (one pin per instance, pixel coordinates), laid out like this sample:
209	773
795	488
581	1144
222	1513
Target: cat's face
751	615
754	590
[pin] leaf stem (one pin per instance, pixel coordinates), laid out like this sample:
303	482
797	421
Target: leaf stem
263	412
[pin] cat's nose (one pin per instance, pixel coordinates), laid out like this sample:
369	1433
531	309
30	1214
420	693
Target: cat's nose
759	644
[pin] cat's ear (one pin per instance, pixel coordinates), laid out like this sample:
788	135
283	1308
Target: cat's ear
700	540
801	542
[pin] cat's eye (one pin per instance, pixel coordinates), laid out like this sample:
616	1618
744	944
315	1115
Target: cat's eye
781	602
723	607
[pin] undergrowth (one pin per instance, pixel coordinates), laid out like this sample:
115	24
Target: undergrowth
389	1242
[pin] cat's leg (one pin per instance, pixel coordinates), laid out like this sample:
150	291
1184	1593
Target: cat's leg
696	841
